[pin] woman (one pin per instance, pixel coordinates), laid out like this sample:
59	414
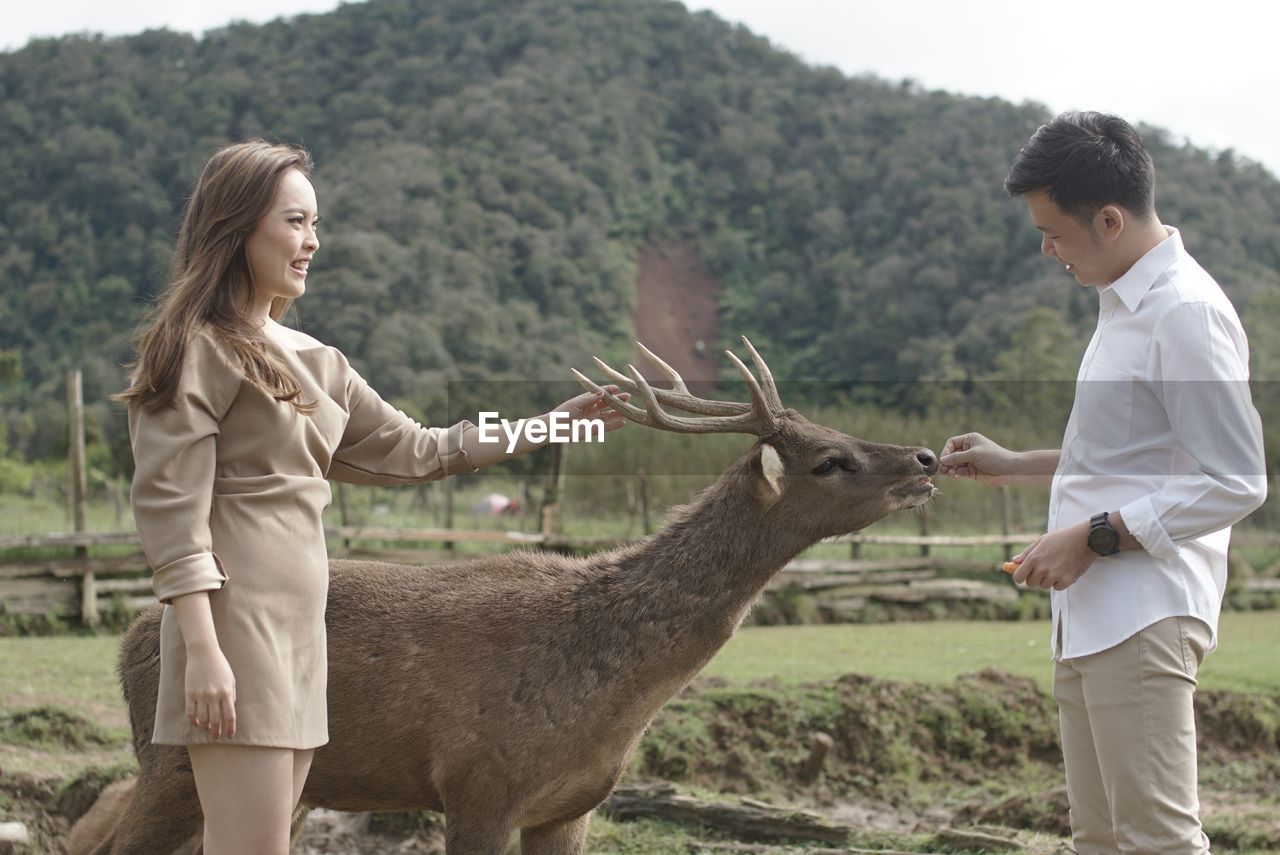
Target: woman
236	422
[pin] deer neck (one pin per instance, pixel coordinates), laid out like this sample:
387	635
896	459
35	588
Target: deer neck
693	582
727	544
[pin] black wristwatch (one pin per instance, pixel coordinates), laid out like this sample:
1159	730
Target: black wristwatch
1103	539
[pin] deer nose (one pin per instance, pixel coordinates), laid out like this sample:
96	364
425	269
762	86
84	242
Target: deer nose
927	460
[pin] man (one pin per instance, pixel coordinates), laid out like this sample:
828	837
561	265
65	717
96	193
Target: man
1162	454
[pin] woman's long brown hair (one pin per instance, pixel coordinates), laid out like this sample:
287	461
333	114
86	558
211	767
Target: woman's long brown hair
211	284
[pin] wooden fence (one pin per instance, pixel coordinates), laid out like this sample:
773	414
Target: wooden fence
80	587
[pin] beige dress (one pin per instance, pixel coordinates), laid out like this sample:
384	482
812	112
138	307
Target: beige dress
227	496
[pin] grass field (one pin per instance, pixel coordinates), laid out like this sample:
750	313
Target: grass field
79	671
75	671
939	651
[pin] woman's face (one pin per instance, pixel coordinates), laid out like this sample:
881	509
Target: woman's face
280	248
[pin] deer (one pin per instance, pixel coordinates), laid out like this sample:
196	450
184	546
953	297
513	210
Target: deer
509	692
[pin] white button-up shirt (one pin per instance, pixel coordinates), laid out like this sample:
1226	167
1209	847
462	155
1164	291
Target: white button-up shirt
1164	431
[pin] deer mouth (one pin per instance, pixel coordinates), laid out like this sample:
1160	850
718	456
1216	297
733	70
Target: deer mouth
917	491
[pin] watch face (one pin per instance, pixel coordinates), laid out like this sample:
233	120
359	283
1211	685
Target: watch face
1104	541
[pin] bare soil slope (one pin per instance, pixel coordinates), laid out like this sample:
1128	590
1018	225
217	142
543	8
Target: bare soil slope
677	313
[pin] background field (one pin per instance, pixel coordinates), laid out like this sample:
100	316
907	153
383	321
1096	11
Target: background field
80	671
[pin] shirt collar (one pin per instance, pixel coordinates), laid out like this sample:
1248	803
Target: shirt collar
1138	279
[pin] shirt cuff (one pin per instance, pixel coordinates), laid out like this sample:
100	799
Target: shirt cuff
190	575
453	457
1144	524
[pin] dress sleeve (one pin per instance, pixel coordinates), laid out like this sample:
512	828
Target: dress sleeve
175	454
383	446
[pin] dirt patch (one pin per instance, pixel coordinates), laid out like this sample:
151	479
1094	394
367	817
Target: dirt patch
73	799
905	759
742	738
1046	811
1239	821
28	800
908	757
51	726
676	315
1231	723
333	833
888	738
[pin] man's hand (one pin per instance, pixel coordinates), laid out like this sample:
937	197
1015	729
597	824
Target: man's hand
972	455
1056	560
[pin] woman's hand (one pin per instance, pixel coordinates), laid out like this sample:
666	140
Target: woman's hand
211	692
594	405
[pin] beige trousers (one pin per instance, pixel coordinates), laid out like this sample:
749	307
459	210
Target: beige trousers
1129	742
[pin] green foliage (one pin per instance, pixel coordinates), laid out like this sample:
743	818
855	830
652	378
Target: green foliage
15	476
1033	380
642	837
789	605
488	169
13	625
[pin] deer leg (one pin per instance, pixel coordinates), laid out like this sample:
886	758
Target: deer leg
475	834
557	838
162	815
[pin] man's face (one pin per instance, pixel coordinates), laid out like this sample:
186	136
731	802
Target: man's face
1076	245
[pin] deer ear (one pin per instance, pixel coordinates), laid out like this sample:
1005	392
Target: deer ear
771	463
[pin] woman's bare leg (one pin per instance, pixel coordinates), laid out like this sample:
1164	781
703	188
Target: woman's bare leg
245	795
301	766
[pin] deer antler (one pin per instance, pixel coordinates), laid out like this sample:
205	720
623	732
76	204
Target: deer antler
760	417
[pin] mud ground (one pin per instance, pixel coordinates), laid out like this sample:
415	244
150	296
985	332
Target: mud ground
906	761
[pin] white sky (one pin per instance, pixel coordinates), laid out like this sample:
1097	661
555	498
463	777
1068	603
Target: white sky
1207	72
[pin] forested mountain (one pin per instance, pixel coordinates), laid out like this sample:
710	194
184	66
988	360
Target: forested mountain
487	170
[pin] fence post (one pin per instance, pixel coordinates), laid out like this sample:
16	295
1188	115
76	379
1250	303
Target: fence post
117	500
1006	518
343	518
924	523
550	514
448	511
526	502
75	444
643	488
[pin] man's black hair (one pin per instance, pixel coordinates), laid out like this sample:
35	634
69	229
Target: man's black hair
1084	161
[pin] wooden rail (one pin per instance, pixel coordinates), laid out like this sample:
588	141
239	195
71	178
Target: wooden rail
83	586
525	538
515	538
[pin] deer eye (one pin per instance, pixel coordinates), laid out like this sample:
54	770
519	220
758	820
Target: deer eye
825	466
